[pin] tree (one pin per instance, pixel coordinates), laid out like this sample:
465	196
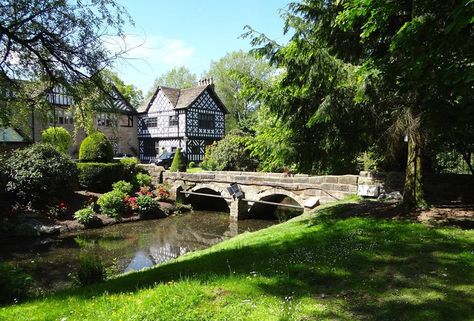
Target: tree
131	93
59	137
404	62
227	73
178	164
178	77
49	42
230	154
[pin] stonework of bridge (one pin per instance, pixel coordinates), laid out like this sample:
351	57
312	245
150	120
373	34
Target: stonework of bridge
308	191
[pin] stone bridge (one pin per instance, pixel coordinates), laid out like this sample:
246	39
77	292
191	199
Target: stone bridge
307	191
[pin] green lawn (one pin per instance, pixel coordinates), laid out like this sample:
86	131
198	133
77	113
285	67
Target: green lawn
194	170
323	266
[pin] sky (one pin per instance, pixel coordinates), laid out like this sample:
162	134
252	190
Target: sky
189	33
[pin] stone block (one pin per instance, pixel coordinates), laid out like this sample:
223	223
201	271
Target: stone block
330	179
348	179
312	192
311	202
316	180
368	190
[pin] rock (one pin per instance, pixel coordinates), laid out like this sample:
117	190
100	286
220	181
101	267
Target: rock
33	227
394	196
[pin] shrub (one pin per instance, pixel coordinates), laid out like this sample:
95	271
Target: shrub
15	283
130	168
142	179
112	204
85	216
147	206
39	173
96	148
91	270
123	186
178	164
229	153
59	137
99	177
192	165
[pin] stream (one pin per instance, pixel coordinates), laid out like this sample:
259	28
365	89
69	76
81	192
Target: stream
53	262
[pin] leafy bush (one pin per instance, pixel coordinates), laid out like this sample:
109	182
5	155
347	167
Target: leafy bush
230	153
96	148
91	269
192	165
130	167
147	206
112	204
15	283
99	177
178	164
123	186
40	172
85	216
59	137
142	179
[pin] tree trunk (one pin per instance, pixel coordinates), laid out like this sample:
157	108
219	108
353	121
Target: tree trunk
467	158
413	193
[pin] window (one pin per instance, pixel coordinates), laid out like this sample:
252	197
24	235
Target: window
61	117
115	145
206	121
173	121
128	122
106	120
150	122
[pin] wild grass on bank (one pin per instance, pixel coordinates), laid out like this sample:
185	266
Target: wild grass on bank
322	266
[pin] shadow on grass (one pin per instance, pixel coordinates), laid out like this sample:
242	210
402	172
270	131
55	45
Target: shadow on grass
372	267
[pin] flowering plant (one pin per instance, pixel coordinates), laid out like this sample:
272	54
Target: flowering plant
145	190
131	202
162	193
58	209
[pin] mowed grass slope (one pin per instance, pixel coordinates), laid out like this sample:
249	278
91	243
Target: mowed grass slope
323	266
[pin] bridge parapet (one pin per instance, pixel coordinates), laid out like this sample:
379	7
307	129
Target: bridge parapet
306	190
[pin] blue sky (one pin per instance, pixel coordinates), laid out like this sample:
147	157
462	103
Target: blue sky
191	33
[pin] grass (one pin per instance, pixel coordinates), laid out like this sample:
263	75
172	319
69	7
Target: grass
323	266
194	170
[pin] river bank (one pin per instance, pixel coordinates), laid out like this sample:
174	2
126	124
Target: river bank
343	262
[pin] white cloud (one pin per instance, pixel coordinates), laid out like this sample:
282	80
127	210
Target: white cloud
157	51
144	58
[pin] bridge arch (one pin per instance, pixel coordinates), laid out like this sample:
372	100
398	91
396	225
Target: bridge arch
209	203
276	195
279	191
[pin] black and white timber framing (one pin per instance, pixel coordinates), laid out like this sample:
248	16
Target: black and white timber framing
189	119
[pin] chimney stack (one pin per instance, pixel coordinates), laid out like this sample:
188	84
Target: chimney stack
205	81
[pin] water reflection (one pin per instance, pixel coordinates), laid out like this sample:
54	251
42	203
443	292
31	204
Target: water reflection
128	247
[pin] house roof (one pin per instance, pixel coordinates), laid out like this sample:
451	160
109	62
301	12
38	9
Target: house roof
116	102
182	98
11	135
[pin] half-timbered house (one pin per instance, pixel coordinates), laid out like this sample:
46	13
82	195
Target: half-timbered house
115	117
189	119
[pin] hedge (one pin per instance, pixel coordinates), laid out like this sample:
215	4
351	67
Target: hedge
99	177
